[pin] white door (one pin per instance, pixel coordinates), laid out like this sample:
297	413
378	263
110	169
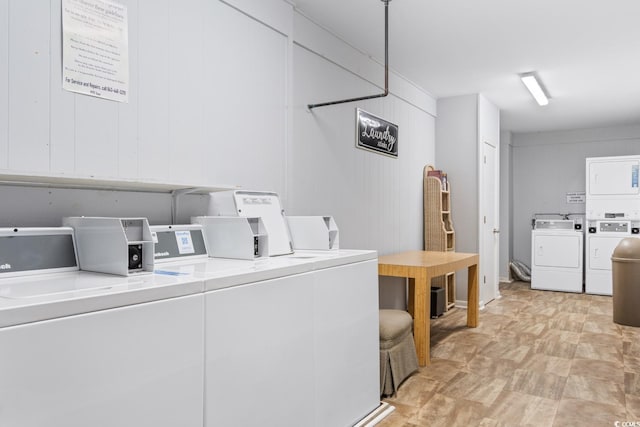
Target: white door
489	224
559	250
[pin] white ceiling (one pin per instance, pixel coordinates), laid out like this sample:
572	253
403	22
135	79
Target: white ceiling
587	53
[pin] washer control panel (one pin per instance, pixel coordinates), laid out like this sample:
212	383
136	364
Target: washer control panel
620	227
614	227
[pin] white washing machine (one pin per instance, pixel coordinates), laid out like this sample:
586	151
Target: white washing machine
283	317
556	256
90	349
602	238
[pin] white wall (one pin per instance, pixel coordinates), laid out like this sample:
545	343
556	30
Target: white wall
45	207
207	97
457	154
506	205
463	125
218	95
547	165
375	199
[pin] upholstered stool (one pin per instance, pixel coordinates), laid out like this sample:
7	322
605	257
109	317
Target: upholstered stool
398	357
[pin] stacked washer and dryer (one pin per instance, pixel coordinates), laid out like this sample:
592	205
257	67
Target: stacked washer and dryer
612	213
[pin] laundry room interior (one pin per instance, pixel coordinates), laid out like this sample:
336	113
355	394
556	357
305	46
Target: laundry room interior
318	213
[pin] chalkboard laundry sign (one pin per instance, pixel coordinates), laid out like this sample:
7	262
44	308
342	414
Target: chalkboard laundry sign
376	134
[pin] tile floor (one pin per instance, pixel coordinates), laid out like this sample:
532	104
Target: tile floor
538	358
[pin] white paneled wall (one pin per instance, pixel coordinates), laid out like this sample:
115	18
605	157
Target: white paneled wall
4	83
62	117
277	14
207	96
218	94
152	94
245	65
47	206
128	114
28	69
185	89
376	200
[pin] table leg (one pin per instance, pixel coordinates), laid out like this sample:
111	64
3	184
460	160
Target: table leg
411	297
421	316
473	294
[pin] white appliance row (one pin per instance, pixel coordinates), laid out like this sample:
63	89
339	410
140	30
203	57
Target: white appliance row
290	340
612	214
271	341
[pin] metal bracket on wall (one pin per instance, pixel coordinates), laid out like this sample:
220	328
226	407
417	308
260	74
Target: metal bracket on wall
175	194
386	68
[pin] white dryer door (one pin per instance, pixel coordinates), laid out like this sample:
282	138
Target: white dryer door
600	250
558	250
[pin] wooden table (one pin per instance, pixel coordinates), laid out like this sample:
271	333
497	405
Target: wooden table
420	267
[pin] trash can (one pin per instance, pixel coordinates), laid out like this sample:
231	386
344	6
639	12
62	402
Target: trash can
626	282
437	301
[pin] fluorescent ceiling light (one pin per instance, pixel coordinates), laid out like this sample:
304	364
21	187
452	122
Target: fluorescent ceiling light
532	83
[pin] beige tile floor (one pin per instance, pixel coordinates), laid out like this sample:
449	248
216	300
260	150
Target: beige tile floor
538	358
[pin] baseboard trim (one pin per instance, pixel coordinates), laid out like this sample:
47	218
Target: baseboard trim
377	415
461	303
505	279
464	304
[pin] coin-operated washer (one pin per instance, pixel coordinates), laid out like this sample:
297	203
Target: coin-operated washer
319	329
256	204
122	246
89	348
556	256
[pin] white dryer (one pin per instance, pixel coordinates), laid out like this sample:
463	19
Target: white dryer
602	238
556	256
613	188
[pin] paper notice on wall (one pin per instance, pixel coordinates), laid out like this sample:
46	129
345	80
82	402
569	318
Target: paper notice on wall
95	48
576	197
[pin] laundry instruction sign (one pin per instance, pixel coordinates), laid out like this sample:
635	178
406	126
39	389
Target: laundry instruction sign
376	134
95	48
576	197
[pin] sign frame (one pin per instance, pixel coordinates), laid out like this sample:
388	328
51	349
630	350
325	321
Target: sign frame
376	134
